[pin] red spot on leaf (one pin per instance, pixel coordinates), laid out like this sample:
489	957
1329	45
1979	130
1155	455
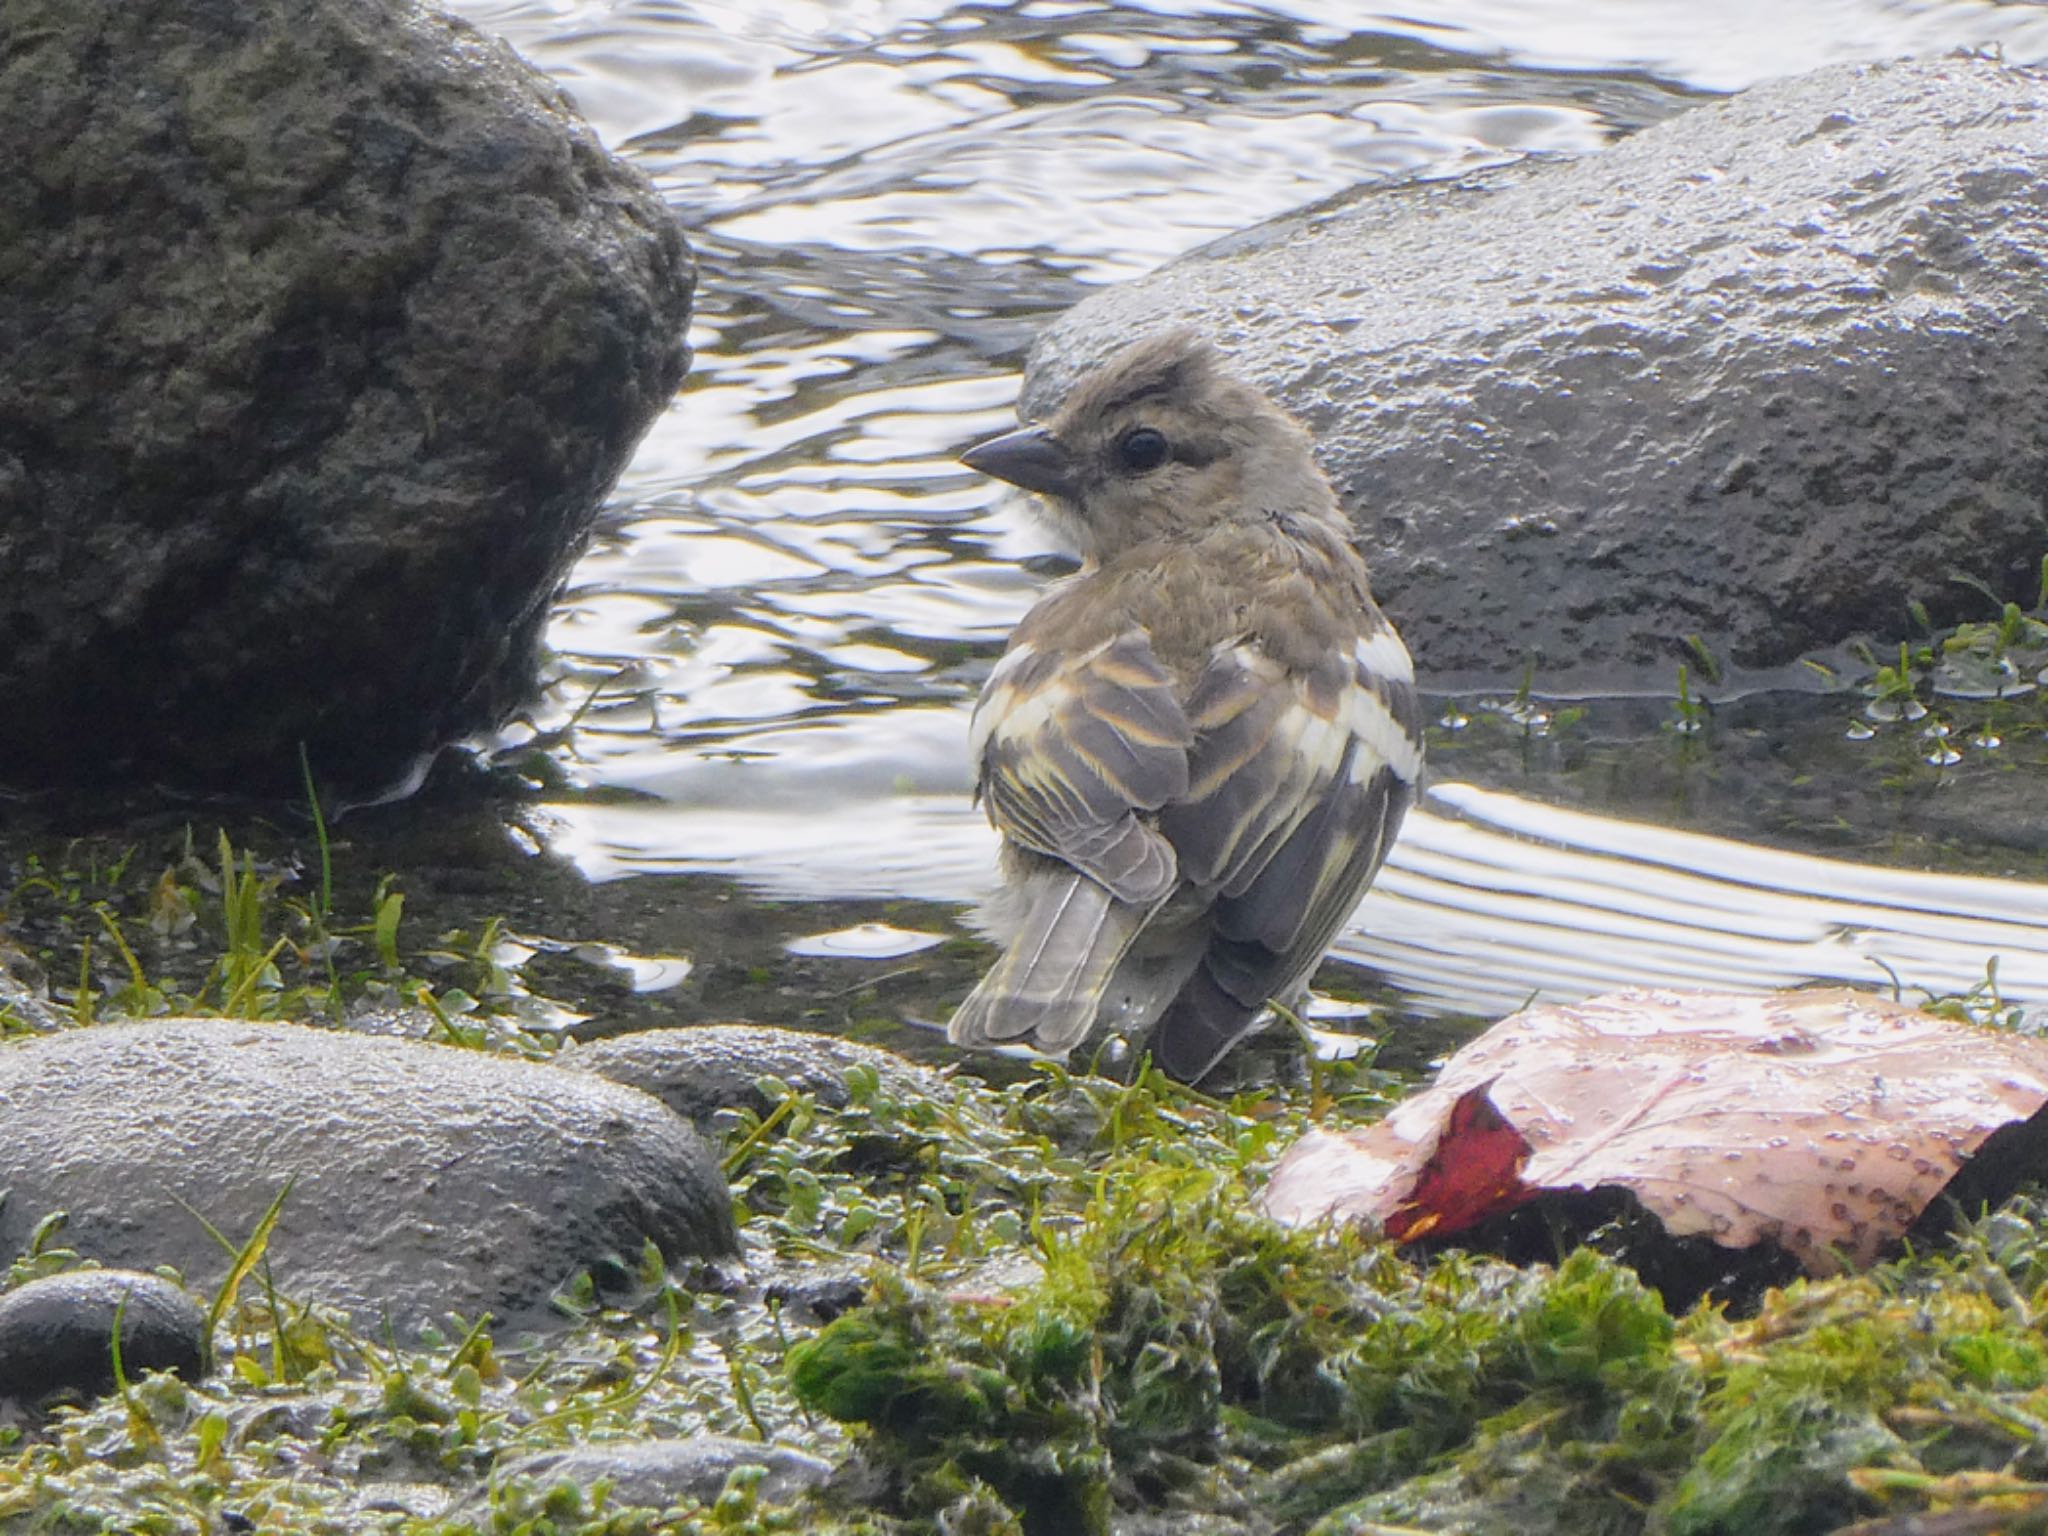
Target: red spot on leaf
1475	1172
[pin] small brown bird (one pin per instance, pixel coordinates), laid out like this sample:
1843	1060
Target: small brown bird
1199	747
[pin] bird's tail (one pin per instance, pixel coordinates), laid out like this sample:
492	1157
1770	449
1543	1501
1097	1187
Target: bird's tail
1220	1001
1048	986
1203	1023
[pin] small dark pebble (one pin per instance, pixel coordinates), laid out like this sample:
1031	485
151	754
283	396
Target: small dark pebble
55	1333
823	1296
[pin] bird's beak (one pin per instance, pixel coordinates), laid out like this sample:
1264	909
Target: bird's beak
1031	457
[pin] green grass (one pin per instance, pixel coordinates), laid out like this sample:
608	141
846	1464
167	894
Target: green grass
221	931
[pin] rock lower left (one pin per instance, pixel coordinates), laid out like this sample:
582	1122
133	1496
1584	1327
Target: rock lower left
324	327
419	1180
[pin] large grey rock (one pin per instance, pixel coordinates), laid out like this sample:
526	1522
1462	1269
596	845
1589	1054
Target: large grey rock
1762	372
423	1179
324	327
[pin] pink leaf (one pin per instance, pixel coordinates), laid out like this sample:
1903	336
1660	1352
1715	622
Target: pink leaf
1822	1121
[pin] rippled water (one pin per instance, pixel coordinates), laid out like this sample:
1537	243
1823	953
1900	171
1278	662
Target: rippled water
766	658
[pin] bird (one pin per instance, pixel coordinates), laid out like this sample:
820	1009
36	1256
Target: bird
1199	746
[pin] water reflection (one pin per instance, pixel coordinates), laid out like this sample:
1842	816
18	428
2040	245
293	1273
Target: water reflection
1487	902
768	651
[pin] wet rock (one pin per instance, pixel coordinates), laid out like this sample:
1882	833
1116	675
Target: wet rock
659	1473
327	324
1761	373
819	1294
24	994
56	1334
422	1179
699	1070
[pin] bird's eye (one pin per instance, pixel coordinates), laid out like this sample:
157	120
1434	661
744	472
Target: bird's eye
1142	449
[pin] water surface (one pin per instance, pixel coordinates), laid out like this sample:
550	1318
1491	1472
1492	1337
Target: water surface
766	658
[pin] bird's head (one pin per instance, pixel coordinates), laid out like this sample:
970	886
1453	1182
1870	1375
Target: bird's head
1159	442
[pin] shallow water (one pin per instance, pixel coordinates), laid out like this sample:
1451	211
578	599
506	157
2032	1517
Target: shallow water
766	659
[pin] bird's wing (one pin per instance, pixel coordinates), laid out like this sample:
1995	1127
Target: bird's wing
1298	782
1072	745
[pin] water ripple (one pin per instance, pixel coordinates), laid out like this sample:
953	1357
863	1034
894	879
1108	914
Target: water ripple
768	650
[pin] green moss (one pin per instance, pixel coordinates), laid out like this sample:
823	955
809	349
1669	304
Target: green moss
1173	1336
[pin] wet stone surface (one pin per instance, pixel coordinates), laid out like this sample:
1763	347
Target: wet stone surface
1747	375
416	1180
56	1334
337	314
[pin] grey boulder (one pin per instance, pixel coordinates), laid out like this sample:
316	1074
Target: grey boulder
326	325
420	1180
1761	373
